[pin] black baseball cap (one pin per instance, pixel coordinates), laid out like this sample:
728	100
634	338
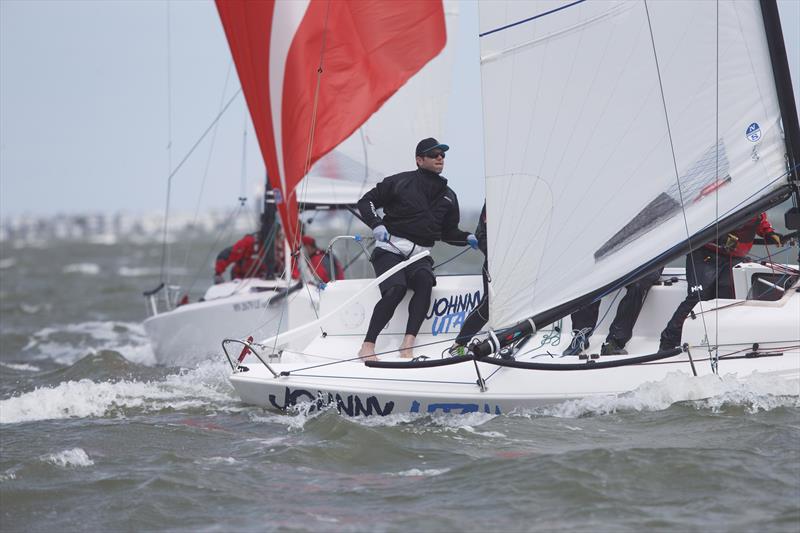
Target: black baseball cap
426	145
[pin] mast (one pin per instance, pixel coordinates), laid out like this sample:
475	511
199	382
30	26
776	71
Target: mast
783	86
267	232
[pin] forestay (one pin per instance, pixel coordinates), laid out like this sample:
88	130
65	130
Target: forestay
613	132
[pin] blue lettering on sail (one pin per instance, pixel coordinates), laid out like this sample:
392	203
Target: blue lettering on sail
449	313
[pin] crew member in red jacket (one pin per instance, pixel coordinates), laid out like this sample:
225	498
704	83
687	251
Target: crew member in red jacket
710	268
318	261
245	255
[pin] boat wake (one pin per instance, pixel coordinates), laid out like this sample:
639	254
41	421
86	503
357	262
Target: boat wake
759	392
202	388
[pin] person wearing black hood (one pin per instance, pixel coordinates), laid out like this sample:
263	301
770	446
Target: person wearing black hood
418	209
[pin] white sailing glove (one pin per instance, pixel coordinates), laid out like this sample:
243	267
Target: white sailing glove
381	233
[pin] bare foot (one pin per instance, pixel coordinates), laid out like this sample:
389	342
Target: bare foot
367	352
407	347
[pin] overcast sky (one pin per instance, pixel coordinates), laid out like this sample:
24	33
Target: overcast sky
84	106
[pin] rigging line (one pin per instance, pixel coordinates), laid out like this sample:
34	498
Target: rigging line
360	193
260	256
207	130
205	174
185	158
211	249
529	19
459	254
307	165
716	190
164	244
399	380
314	110
243	174
354	259
674	160
361	357
301	256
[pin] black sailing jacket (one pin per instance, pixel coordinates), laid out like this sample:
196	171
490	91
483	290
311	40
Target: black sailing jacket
417	205
480	232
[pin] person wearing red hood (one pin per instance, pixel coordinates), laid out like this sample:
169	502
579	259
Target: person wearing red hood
709	272
318	262
246	257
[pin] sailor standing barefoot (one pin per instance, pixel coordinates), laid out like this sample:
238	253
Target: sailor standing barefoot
419	209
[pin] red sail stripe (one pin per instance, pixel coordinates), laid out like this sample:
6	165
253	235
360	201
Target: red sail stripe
248	28
371	48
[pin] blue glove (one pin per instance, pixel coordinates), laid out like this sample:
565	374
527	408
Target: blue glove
472	240
381	233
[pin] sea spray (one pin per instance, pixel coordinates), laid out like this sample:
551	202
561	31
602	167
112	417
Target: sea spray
202	387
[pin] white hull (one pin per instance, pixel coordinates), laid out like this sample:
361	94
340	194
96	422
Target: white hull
193	332
317	374
356	390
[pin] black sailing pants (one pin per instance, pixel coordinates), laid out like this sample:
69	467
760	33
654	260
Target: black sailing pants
417	276
706	272
621	329
479	316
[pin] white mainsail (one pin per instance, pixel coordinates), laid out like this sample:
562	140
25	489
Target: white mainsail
615	131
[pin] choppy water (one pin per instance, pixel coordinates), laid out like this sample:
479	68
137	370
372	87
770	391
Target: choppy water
95	437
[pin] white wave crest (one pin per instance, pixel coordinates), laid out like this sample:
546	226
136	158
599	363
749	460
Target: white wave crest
31	309
21	366
7	262
416	472
73	457
205	386
89	269
133	272
758	392
216	460
127	338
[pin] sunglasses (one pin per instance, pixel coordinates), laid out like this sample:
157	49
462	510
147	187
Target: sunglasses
434	155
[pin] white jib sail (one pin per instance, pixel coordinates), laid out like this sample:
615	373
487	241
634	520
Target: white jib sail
593	114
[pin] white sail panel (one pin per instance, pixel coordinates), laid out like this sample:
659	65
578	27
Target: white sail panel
385	142
602	119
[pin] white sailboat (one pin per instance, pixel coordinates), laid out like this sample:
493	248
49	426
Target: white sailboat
618	136
189	333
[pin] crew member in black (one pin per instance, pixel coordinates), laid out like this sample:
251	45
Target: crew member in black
419	209
480	315
584	320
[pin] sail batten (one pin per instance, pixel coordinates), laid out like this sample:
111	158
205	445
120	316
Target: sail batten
626	130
